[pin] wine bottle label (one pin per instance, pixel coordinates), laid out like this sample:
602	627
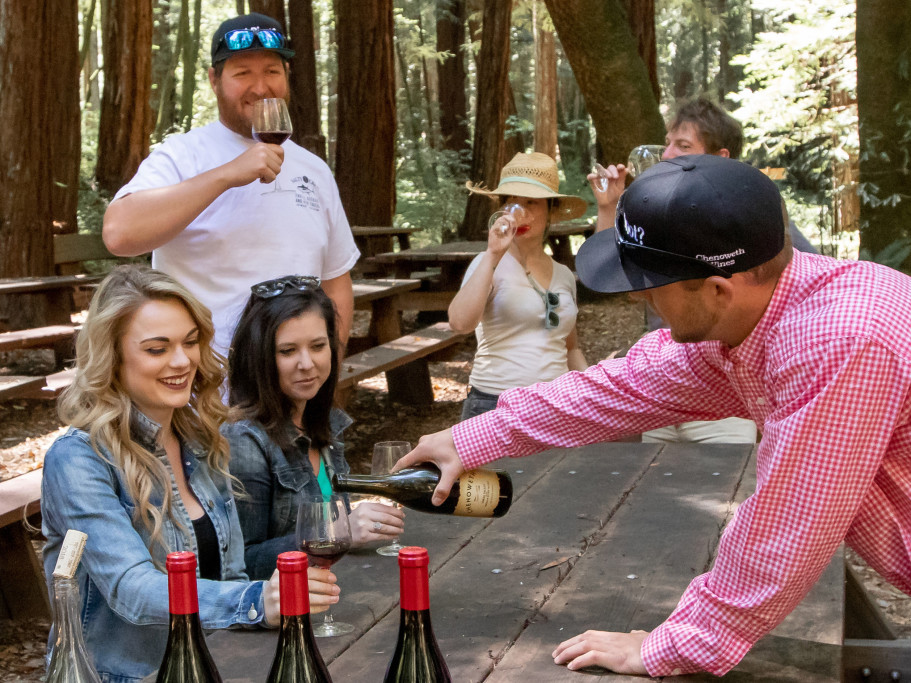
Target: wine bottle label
70	554
479	493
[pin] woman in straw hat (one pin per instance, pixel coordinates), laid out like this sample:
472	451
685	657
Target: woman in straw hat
518	300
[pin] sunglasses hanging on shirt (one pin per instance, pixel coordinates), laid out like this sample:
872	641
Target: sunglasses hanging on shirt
551	301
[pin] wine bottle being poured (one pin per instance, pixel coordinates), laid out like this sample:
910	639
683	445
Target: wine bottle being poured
186	659
417	657
477	493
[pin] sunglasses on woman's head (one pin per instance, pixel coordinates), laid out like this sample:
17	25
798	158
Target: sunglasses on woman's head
271	288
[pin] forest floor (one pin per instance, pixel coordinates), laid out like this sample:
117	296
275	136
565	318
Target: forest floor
608	325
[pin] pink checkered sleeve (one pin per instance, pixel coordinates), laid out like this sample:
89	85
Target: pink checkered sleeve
839	405
658	383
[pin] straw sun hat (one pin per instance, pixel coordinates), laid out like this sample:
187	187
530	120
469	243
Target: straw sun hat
534	175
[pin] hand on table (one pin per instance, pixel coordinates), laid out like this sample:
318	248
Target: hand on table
618	652
366	516
323	592
438	448
261	162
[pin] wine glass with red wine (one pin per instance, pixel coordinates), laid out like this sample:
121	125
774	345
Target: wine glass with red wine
324	534
272	125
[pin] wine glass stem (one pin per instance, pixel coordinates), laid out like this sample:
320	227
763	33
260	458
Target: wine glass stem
327	618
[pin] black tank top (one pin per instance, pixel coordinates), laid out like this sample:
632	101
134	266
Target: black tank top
207	542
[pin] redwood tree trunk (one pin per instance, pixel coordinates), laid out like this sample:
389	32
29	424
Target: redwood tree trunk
490	121
39	146
305	112
640	16
612	77
883	100
453	105
126	117
545	89
365	151
271	8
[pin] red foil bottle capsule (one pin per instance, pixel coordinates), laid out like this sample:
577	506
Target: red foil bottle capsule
417	657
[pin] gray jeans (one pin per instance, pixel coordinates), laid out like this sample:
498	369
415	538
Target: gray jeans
477	402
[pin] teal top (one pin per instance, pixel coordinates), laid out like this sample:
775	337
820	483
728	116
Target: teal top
322	478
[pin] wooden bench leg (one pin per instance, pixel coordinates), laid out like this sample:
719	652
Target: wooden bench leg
23	592
411	384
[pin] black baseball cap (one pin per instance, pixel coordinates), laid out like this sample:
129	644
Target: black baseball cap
249	33
686	218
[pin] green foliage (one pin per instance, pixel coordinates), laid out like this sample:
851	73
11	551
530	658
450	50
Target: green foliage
437	210
894	255
798	105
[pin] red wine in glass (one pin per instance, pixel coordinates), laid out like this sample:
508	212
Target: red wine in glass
271	137
324	554
272	125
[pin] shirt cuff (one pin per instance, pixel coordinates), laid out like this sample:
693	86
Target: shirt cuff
252	608
475	440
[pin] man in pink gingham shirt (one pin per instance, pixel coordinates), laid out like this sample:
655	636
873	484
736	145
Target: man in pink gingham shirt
816	351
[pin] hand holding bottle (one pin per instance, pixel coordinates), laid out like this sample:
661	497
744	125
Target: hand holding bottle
438	448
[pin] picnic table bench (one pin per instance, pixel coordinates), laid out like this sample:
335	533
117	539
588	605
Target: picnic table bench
376	239
603	537
23	592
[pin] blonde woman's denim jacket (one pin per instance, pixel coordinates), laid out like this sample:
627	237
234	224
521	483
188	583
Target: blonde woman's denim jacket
124	595
274	482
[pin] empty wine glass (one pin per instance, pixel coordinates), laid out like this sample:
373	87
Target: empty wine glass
507	220
272	125
643	157
385	455
324	534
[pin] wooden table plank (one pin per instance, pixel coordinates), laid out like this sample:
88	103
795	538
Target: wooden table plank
481	601
50	282
685	499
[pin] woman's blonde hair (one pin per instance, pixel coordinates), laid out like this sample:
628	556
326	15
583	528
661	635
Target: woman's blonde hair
97	402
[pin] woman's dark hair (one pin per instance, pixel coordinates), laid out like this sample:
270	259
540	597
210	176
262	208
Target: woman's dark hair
254	392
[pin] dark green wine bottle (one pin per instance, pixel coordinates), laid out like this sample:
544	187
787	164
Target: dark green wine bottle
417	657
297	659
186	659
477	493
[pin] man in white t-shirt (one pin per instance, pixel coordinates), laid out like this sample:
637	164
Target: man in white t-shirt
195	202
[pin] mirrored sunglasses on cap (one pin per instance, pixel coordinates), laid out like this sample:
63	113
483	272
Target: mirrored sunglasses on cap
271	288
242	38
659	261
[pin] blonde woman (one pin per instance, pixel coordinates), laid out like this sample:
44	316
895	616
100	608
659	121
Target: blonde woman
143	470
518	300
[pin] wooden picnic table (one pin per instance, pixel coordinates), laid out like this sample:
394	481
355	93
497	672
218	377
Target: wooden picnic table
602	537
559	238
376	239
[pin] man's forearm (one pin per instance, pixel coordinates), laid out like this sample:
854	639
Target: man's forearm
142	221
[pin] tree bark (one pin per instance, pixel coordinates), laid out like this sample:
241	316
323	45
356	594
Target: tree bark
126	118
453	105
612	77
305	111
545	87
189	52
490	121
884	109
164	66
39	147
365	151
640	16
271	8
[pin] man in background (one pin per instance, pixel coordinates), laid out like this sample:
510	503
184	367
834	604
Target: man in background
699	127
195	202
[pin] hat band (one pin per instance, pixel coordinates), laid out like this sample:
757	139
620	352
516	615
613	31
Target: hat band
530	181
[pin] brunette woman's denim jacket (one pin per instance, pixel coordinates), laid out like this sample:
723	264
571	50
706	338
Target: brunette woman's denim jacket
124	594
274	481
